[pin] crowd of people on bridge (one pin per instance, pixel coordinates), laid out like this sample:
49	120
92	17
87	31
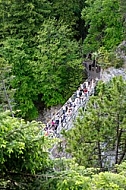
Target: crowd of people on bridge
60	119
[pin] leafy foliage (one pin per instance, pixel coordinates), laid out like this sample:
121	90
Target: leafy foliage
121	169
123	13
20	22
22	19
109	181
43	56
60	54
24	152
42	72
69	12
77	177
106	58
25	163
38	40
104	21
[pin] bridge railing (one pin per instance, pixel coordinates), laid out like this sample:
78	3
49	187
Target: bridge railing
70	121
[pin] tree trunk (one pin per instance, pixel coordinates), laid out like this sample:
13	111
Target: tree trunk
99	156
118	135
123	154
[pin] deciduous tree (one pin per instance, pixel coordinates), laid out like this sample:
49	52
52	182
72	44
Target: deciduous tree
105	25
23	152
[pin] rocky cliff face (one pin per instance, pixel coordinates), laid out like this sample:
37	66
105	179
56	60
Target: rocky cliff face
112	72
121	52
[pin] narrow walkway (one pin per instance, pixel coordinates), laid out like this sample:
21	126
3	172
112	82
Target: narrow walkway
66	116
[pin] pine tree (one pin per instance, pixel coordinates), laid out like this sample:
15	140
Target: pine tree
41	71
23	152
22	19
100	131
123	12
41	52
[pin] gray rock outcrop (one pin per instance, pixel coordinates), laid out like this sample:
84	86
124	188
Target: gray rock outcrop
109	73
121	52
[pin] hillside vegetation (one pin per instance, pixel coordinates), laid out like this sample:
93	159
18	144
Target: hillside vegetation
45	42
43	45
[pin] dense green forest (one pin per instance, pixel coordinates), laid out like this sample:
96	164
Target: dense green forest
43	44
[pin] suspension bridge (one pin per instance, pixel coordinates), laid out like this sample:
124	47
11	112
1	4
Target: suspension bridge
66	116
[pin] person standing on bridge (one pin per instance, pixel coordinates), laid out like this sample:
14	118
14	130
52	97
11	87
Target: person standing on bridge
53	124
86	92
78	96
65	107
56	121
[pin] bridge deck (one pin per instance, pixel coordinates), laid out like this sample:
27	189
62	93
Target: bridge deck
68	113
